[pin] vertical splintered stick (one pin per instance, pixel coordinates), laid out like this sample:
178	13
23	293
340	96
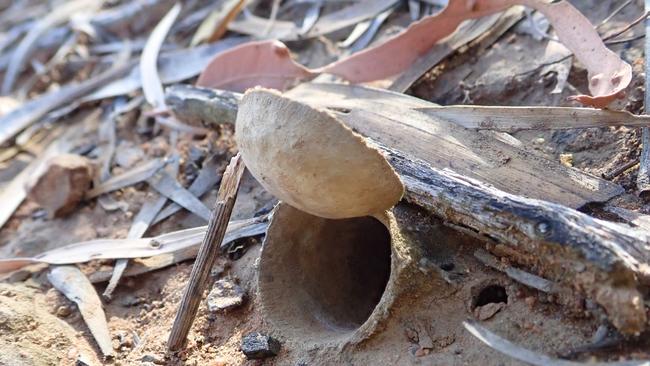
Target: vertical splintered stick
207	254
643	179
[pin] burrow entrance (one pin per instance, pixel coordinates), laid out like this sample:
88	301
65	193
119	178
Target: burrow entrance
322	278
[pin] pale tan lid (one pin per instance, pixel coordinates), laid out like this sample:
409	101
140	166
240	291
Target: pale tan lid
309	159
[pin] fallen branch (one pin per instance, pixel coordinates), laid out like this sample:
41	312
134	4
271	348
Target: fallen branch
607	261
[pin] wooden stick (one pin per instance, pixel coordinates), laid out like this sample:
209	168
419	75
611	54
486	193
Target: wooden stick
207	254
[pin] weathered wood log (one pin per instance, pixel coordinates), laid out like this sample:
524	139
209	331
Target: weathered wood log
519	202
605	261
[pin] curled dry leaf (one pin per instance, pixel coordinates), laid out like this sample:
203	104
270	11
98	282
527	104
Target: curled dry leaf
530	357
608	74
151	84
266	63
309	159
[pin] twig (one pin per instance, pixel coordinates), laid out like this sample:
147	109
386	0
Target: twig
627	27
620	169
625	40
613	14
542	65
643	179
207	254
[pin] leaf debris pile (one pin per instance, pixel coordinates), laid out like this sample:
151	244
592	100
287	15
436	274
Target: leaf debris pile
117	120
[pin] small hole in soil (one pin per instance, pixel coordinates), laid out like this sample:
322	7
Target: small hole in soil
323	278
447	266
491	294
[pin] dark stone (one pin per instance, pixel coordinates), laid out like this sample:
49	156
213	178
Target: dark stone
257	346
153	359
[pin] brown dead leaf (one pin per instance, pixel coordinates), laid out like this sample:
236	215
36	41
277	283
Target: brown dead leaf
266	63
269	64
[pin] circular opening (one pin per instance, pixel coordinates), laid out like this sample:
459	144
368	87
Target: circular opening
322	278
491	294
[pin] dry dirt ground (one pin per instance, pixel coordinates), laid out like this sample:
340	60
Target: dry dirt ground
440	284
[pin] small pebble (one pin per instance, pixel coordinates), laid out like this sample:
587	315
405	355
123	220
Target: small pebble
256	346
487	311
225	295
539	141
151	358
63	311
62	185
530	301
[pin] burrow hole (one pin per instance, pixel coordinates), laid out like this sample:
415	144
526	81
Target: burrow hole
491	294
